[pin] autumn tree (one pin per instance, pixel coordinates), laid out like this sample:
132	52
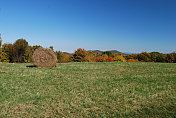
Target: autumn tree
131	56
144	56
171	58
8	49
3	56
132	60
80	55
157	57
119	58
104	57
91	56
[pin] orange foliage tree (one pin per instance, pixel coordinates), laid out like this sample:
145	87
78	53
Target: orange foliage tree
63	58
132	60
80	55
91	57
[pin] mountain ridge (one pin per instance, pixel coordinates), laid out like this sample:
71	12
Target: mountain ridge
101	52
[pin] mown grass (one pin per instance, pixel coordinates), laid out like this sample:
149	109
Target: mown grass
88	90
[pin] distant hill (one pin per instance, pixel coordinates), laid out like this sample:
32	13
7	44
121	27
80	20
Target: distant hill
128	53
96	51
116	52
67	53
101	52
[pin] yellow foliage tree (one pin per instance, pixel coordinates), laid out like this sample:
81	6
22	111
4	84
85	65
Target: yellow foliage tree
104	57
119	58
3	56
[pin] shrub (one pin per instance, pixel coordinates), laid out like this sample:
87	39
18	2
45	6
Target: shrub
109	59
60	56
132	60
98	59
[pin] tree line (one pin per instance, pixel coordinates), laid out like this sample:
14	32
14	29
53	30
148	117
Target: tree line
21	52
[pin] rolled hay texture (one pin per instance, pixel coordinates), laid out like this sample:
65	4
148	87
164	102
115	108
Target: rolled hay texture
44	58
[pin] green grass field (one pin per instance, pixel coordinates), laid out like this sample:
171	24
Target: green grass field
88	90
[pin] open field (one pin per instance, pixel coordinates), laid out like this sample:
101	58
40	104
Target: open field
88	90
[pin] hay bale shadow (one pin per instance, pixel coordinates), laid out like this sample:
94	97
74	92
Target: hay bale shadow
31	66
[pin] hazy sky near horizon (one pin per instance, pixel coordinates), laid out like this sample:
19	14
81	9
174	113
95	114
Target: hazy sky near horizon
123	25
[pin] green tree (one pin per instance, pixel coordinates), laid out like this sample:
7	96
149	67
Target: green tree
36	47
51	47
19	47
157	57
60	56
28	54
109	53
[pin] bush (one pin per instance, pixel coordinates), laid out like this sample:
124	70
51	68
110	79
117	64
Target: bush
132	60
98	59
109	59
60	56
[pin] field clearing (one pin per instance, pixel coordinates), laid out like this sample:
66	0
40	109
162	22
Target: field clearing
88	90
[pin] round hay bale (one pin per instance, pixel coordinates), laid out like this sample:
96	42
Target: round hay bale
44	58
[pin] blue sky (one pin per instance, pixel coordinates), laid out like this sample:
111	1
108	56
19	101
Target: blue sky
123	25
